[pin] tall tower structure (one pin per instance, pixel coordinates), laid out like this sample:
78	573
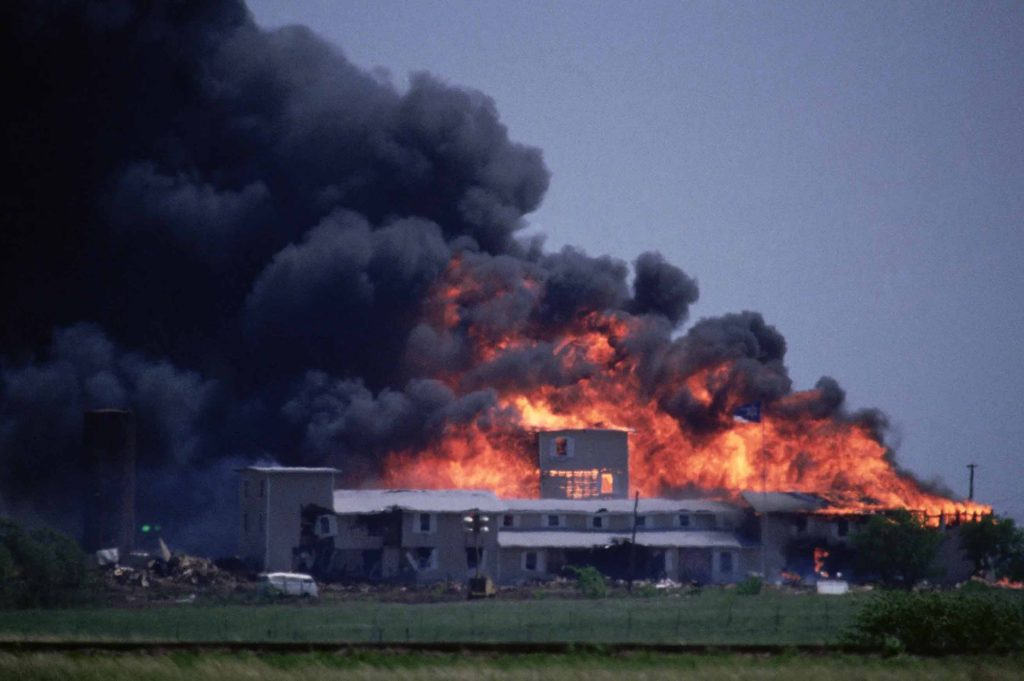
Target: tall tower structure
109	515
584	463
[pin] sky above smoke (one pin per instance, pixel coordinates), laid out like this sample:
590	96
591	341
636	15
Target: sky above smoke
233	231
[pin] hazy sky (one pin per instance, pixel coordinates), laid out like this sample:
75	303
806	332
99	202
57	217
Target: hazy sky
853	171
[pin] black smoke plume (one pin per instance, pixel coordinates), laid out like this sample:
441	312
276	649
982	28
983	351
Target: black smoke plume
232	232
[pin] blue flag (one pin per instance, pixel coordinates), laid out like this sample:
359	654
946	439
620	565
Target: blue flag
748	412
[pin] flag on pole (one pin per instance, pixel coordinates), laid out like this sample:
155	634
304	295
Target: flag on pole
751	413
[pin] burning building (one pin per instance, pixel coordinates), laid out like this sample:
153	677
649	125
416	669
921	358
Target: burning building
219	233
419	535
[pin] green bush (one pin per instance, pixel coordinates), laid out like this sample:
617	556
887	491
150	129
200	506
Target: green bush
751	586
39	568
941	623
590	581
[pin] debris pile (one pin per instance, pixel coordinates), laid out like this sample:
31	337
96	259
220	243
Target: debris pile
177	574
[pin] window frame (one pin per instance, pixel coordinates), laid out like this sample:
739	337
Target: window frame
559	520
417	523
538	560
553	447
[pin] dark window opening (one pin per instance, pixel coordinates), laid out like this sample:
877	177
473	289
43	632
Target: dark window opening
508	521
471	557
705	521
553	521
424	558
561	446
641	521
598	521
800	523
725	562
530	560
684	520
424	522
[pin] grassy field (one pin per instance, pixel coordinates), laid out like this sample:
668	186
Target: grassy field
710	617
379	667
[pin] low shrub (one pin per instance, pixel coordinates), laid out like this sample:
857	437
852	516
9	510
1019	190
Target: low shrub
940	623
751	586
590	581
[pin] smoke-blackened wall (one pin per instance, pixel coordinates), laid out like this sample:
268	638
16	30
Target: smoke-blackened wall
240	236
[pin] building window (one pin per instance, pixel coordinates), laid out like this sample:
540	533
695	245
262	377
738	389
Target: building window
578	484
553	521
607	483
641	521
561	447
423	558
424	523
508	520
725	563
843	527
800	523
531	561
326	526
684	520
705	520
597	522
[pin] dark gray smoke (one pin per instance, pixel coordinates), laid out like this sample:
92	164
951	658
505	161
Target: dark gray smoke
233	233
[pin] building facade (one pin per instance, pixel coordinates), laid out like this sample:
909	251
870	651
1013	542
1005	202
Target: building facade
271	500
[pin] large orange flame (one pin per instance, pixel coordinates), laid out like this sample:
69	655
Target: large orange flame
834	458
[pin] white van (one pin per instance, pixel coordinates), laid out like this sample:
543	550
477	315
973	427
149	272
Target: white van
288	584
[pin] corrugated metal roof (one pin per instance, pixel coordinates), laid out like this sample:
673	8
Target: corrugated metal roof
610	429
618	505
457	501
784	502
287	469
422	500
576	540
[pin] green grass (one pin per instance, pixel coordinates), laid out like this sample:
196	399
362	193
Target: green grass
416	667
710	617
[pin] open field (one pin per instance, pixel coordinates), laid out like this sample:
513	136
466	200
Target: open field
711	617
416	667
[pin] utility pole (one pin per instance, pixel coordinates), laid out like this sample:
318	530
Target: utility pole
632	545
970	492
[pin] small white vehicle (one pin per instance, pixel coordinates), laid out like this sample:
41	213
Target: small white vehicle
288	584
